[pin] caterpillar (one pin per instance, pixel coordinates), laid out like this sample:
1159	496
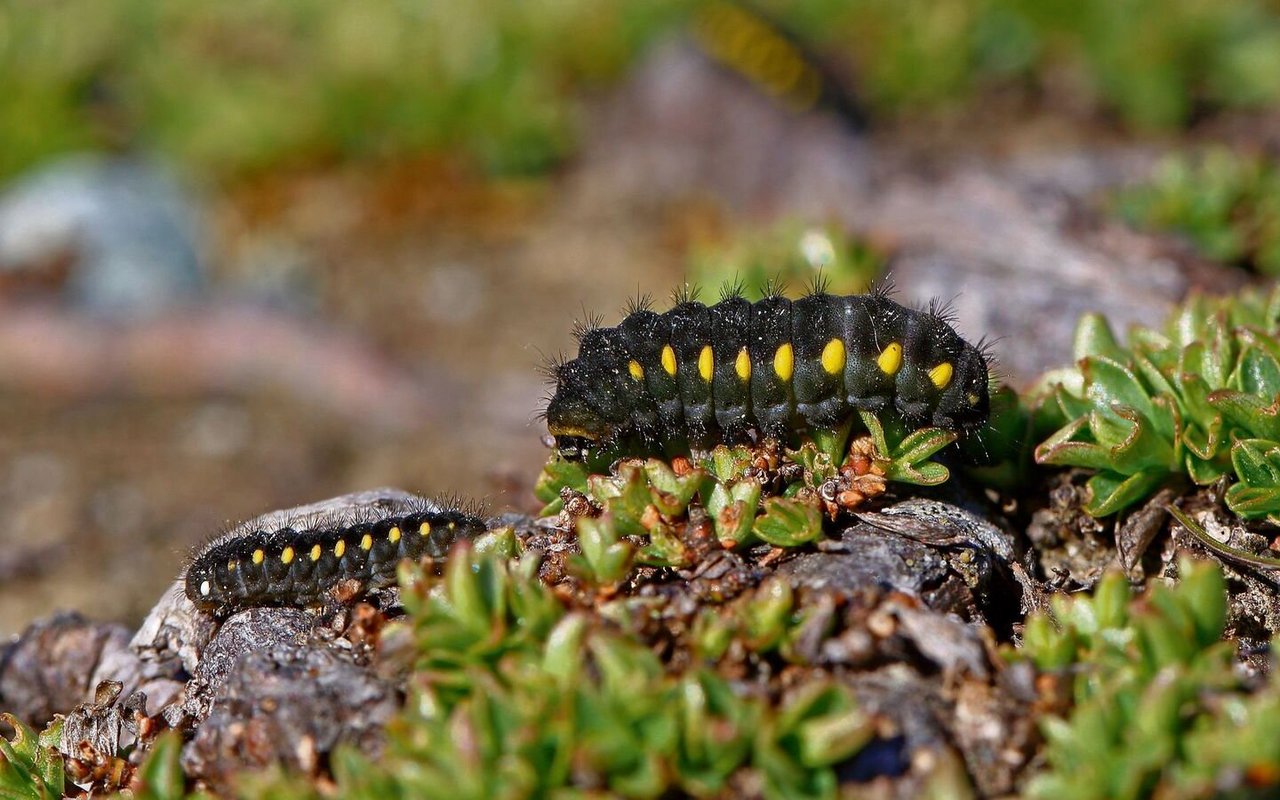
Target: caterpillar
291	567
747	42
699	375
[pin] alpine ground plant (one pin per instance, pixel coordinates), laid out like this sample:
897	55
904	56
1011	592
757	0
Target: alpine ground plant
749	495
1153	704
1196	401
514	693
30	765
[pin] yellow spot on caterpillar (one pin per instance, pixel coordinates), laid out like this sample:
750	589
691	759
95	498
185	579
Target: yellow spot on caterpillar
890	360
833	357
286	555
366	543
743	365
941	374
784	362
205	588
706	360
669	360
972	398
339	548
231	565
452	525
258	555
637	371
315	552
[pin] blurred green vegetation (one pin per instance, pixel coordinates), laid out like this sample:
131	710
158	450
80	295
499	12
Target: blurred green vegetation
233	87
788	257
1227	204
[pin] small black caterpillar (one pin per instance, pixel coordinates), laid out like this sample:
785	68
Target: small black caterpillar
289	567
697	375
749	43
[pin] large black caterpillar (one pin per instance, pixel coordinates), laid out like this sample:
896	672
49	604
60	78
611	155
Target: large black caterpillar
698	375
290	567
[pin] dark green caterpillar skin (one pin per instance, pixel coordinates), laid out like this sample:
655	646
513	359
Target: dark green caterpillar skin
618	387
227	577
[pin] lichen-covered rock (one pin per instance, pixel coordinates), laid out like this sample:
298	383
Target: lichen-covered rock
290	704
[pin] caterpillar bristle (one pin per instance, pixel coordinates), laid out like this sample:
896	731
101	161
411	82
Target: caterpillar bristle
774	287
685	293
734	290
944	310
637	303
819	283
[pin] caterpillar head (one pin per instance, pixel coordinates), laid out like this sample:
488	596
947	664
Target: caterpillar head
573	413
966	404
202	585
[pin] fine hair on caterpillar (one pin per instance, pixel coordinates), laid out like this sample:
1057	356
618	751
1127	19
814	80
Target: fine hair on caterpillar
698	375
308	562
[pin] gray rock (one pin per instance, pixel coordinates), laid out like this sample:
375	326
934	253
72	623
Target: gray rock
123	227
290	705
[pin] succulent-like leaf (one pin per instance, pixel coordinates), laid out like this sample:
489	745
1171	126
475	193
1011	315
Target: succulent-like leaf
788	523
606	557
30	765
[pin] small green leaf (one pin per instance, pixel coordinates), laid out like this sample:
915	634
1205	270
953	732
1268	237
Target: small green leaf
1259	373
1112	492
607	557
1257	462
922	444
1093	338
556	475
1252	502
1203	589
562	657
1258	417
29	767
1110	383
671	493
833	442
161	774
788	523
732	509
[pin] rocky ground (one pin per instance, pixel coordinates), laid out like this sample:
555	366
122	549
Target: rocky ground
426	304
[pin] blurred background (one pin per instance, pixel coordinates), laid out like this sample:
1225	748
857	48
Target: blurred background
255	254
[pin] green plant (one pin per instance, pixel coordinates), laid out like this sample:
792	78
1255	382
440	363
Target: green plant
1156	706
649	499
30	765
1227	204
514	694
1198	400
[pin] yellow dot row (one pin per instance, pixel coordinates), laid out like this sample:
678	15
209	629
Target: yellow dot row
832	359
288	554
